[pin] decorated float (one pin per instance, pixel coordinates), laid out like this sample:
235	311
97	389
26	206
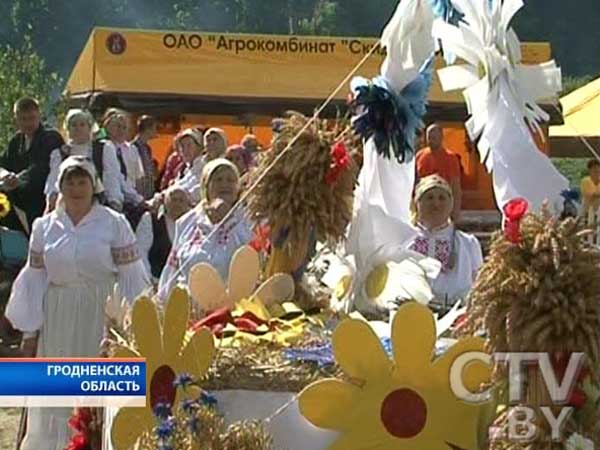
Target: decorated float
300	349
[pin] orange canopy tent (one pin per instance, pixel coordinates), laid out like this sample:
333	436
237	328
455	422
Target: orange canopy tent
240	82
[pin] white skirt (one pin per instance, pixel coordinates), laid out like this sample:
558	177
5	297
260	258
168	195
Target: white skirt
73	327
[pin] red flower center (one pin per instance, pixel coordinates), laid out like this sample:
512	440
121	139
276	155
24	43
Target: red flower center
404	413
162	389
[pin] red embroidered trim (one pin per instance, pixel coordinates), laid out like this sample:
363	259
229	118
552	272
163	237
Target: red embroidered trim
421	245
125	255
36	260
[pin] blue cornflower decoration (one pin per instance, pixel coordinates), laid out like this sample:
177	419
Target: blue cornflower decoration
165	429
183	380
571	195
391	118
208	399
188	405
571	203
162	410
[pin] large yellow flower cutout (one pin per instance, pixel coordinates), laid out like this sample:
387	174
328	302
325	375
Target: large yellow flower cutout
405	403
210	292
168	354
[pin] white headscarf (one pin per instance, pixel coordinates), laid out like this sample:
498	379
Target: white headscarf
210	169
76	113
80	114
196	136
84	163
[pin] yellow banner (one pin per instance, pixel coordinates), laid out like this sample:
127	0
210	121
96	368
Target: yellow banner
218	65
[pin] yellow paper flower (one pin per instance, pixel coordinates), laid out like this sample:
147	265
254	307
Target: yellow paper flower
4	205
209	290
383	282
167	355
405	403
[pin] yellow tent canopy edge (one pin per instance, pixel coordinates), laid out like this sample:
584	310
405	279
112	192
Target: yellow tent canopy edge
222	65
581	109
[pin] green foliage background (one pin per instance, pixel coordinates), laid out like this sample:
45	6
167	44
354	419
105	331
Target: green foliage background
40	40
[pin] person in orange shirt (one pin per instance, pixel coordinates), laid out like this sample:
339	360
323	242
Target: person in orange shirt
590	187
437	160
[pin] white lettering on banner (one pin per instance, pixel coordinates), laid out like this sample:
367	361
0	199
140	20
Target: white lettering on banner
559	393
556	422
109	386
515	375
99	370
456	377
521	430
522	420
85	370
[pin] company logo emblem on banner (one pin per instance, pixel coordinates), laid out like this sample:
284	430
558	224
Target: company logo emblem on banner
116	44
72	382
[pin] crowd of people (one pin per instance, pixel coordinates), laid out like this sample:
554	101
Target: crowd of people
97	210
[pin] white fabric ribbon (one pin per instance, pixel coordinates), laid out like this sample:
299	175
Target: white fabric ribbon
501	96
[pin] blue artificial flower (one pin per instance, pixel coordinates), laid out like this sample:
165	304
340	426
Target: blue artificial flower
208	399
162	410
183	380
194	425
188	406
166	428
391	119
571	195
571	203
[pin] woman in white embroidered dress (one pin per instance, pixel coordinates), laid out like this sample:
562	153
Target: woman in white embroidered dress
215	142
131	169
196	240
77	253
80	126
460	253
190	146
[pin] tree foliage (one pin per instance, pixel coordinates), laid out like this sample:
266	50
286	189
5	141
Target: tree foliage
58	29
23	72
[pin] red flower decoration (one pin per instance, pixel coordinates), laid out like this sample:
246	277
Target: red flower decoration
78	442
460	322
577	399
513	213
340	161
81	419
261	241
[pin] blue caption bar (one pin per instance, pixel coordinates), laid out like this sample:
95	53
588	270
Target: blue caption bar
72	377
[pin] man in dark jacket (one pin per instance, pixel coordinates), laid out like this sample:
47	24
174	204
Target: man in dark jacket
26	163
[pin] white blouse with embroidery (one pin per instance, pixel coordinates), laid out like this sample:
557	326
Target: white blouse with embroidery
190	246
145	237
190	182
128	193
100	248
459	271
